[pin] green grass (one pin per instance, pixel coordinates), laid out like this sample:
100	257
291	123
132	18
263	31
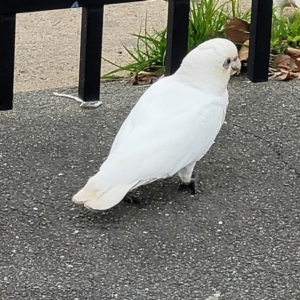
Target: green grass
147	55
285	33
207	20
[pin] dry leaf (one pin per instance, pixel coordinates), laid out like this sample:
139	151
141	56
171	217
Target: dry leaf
293	52
286	66
135	80
143	76
147	77
237	30
284	61
297	62
291	75
244	51
286	76
273	70
283	74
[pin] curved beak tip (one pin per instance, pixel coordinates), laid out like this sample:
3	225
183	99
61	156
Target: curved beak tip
236	67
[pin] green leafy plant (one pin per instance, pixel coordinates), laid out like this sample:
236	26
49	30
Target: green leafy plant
208	17
207	20
148	54
285	32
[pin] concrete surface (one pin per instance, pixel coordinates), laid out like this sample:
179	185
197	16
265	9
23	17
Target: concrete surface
47	43
239	236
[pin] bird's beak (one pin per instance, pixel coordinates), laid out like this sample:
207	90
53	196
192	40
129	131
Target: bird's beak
236	67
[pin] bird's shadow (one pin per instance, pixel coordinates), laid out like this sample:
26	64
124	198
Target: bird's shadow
151	198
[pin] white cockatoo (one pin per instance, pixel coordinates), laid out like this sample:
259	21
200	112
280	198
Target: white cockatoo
281	4
171	127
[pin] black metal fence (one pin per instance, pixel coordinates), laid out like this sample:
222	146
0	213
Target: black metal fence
91	40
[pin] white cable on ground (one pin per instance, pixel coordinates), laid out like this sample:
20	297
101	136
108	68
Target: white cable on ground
213	297
83	104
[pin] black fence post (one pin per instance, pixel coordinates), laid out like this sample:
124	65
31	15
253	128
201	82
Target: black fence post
90	53
177	34
7	58
260	36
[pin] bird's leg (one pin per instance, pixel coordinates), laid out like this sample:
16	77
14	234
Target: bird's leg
131	199
190	186
188	182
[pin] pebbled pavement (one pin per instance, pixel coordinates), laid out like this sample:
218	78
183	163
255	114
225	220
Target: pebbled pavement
239	236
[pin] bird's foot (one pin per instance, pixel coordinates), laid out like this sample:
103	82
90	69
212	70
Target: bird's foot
132	199
191	186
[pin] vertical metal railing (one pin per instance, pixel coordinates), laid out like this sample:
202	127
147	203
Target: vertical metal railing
177	34
7	58
91	41
90	53
260	36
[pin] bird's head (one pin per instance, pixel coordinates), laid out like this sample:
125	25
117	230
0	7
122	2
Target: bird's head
210	65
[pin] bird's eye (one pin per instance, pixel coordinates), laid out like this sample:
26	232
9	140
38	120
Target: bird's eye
226	63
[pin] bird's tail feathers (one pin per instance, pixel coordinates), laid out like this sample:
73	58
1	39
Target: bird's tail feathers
98	196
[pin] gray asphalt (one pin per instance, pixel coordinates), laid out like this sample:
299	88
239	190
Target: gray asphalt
240	235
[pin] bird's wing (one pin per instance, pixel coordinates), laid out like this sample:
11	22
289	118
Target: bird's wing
170	127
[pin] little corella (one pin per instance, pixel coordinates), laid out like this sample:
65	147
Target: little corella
172	126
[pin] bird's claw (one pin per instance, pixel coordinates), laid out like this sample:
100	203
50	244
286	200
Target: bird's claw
191	186
132	199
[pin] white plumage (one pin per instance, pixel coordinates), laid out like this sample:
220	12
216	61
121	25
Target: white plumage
172	126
